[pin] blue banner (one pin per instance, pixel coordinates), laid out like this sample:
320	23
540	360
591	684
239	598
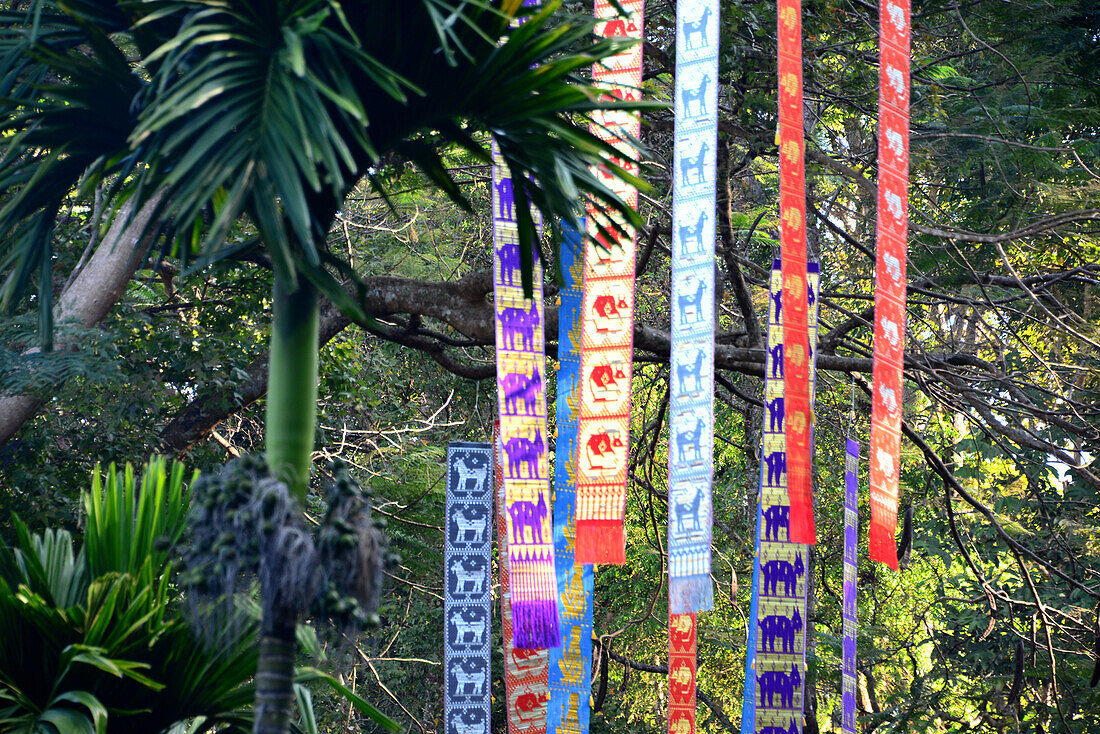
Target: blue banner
466	602
571	663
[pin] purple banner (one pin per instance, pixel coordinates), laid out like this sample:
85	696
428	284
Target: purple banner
775	666
851	540
521	400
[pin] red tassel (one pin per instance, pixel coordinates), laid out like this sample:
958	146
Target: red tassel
881	544
799	491
600	541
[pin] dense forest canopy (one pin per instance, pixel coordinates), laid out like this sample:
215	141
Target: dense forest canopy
993	624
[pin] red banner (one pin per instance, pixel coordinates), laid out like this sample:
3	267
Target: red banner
607	339
681	673
892	231
792	207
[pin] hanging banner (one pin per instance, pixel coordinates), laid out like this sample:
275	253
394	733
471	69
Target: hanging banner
525	671
607	342
681	673
691	411
521	400
851	544
890	284
775	663
792	205
467	557
571	663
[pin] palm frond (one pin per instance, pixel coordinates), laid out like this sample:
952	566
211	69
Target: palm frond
276	111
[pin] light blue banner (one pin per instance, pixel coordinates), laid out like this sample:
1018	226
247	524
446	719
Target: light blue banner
691	414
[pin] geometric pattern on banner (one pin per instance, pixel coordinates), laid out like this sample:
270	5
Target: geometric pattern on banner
571	663
681	673
851	541
890	261
775	665
691	422
467	605
525	671
521	399
608	311
792	205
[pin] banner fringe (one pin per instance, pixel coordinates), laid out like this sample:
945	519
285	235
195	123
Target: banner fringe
802	528
686	594
535	624
882	546
600	541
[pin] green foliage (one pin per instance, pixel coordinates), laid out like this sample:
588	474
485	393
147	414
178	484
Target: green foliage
90	634
92	639
131	527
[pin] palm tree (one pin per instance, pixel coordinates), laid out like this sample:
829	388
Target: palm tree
272	111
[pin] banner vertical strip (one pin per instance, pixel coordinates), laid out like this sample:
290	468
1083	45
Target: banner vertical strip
780	586
608	333
691	412
521	401
792	205
890	284
467	605
525	671
570	664
851	545
681	673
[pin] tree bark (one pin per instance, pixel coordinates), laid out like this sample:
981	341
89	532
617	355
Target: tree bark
90	295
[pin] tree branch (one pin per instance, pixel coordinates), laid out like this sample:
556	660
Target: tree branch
91	294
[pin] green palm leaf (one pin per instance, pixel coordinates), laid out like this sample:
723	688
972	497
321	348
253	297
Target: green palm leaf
276	110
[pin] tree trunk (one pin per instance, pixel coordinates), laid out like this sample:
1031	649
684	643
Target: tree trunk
288	430
292	384
274	682
90	295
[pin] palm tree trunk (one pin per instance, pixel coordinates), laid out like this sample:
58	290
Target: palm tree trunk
289	423
274	682
292	384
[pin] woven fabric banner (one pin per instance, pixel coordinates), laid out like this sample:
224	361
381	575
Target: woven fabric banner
851	545
607	341
893	228
571	663
681	673
521	400
467	557
691	410
792	205
525	671
775	665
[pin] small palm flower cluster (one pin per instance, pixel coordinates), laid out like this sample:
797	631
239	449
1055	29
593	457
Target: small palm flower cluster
245	525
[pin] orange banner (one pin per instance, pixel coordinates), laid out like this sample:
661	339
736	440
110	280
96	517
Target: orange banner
792	207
